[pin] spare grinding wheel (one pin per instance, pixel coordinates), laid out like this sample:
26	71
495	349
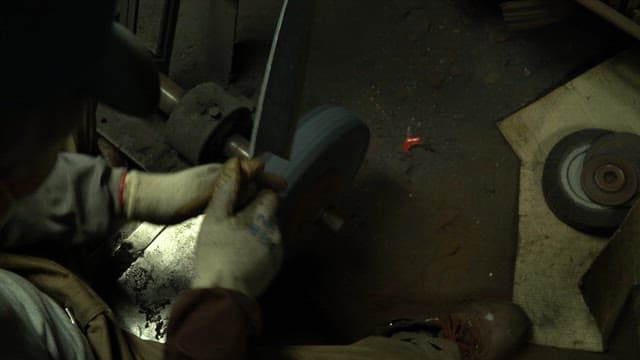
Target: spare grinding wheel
610	174
328	149
563	190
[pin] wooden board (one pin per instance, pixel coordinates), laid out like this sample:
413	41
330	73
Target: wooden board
553	257
532	14
614	273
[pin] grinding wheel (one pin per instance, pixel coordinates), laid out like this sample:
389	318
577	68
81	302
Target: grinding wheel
563	189
611	171
328	149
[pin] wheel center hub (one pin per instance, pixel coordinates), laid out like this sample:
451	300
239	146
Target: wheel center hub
610	178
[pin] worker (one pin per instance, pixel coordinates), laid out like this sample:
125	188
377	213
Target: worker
57	211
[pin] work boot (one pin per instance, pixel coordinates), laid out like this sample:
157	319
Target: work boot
482	331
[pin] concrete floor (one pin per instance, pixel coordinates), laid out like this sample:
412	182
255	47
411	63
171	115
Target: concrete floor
437	227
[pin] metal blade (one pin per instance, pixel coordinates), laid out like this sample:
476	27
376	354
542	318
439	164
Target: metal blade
134	246
142	237
279	102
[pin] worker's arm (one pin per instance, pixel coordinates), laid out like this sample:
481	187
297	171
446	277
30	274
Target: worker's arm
238	252
83	200
73	207
170	198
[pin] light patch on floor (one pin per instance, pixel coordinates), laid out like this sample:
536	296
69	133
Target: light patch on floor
553	257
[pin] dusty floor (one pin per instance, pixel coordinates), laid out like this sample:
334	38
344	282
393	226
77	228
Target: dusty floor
439	226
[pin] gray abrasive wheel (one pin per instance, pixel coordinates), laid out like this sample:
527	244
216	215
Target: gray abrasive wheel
328	149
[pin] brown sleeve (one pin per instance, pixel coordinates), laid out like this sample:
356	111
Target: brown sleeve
212	324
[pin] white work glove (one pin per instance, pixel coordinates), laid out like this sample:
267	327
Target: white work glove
238	249
171	198
167	198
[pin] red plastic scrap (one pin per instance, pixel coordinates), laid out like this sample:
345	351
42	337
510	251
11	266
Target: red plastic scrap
410	142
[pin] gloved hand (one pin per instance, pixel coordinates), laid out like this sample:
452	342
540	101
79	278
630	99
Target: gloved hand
174	197
238	249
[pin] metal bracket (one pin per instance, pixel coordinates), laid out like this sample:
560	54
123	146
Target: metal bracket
128	14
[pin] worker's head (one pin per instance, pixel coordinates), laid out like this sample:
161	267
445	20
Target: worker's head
56	54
